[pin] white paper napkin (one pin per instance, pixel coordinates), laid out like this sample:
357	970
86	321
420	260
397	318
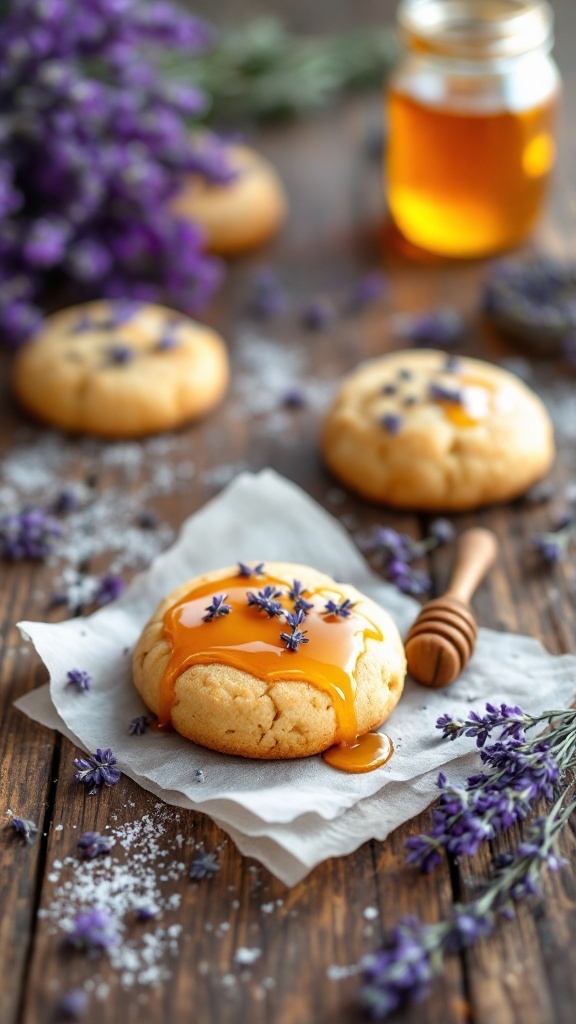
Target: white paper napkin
289	814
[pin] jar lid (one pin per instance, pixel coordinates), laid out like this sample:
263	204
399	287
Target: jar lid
476	29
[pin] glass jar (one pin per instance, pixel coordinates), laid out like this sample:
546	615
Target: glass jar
471	118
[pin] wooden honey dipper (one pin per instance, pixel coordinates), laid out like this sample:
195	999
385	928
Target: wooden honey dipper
443	637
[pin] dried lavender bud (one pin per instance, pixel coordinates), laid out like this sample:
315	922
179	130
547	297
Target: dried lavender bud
248	571
147	520
405	374
297	595
92	844
297	636
265	600
66	501
442	530
389	389
440	328
318	314
294	398
97	770
199	776
410	400
138	726
438	392
109	589
93	930
73	1005
204	865
80	679
119	355
147	913
25	828
28	534
268	299
368	289
343	610
216	609
392	423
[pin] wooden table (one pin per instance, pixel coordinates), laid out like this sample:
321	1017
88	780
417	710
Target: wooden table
524	973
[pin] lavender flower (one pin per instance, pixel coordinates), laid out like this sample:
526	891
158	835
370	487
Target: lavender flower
66	501
439	328
367	290
108	589
268	300
297	636
318	314
294	398
389	389
146	913
392	423
248	571
216	609
92	844
204	865
80	679
97	770
519	773
146	520
296	594
442	530
395	552
28	534
265	600
25	828
96	143
342	610
119	355
93	930
73	1004
553	546
438	392
138	726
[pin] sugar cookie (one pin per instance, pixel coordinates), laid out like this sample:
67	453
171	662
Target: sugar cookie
242	214
116	368
221	661
423	430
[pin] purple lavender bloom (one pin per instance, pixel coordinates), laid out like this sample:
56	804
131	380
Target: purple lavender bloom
73	1004
248	571
297	594
402	970
119	355
438	392
342	610
46	242
265	600
80	679
367	290
25	828
138	726
204	865
147	913
93	930
552	547
440	328
268	300
216	609
27	534
318	314
392	423
66	501
109	589
168	342
297	636
294	398
442	530
93	844
147	520
97	770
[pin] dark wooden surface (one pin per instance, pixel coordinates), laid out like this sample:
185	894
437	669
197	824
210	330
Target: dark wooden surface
523	975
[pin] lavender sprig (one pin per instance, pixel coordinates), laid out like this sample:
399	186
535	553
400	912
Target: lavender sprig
396	551
247	571
25	828
217	608
138	725
296	594
297	636
204	865
93	930
97	770
265	600
414	953
93	844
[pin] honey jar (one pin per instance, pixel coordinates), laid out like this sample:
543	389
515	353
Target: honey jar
471	118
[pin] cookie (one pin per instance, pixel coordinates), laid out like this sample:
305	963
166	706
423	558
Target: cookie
241	214
116	368
221	661
423	430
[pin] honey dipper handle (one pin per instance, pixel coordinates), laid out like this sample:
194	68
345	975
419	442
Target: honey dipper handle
475	555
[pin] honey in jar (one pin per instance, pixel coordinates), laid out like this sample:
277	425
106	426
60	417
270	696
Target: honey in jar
471	110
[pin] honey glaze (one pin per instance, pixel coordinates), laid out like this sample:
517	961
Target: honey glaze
248	639
365	754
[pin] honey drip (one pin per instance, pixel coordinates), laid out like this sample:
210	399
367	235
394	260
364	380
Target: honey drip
467	184
249	640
